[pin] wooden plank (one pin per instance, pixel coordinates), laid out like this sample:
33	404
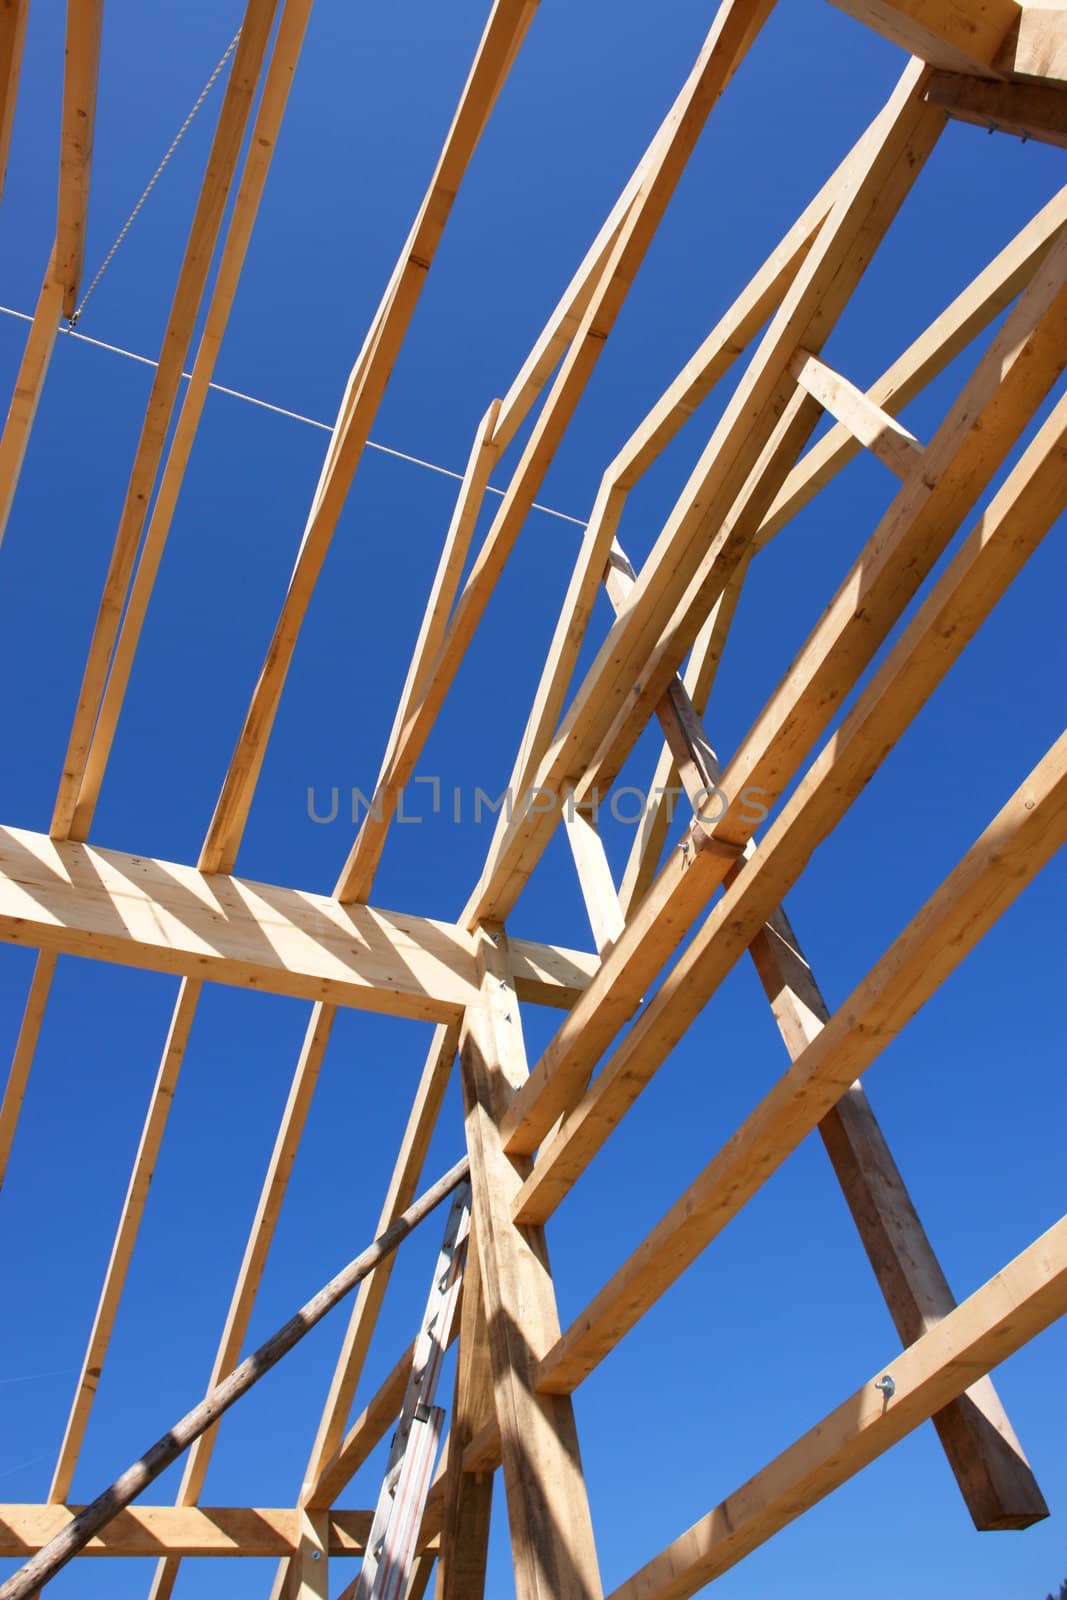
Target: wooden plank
261	146
309	1568
33	370
1024	1298
166	380
125	1238
1011	851
468	1497
958	38
1027	110
974	309
733	30
893	151
1036	48
81	72
504	31
13	14
594	875
548	1510
179	1531
880	433
73	899
358	879
550	974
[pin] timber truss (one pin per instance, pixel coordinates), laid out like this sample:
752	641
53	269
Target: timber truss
533	1129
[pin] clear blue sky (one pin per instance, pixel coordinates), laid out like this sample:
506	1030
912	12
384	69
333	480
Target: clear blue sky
781	1318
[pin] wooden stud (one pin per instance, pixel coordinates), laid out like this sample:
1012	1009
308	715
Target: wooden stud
552	1537
13	14
185	1531
882	435
468	1497
33	370
1026	110
166	380
82	68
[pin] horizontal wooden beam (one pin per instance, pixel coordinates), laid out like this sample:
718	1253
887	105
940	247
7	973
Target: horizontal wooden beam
76	900
958	37
1009	854
179	1531
1023	1299
550	974
1027	110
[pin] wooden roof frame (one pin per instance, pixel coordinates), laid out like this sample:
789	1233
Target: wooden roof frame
533	1129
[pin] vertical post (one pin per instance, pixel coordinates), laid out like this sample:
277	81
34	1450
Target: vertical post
548	1509
468	1495
309	1568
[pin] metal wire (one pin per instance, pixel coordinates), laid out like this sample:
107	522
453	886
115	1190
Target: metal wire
175	142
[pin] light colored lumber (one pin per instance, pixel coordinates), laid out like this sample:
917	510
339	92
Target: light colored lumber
72	1538
1024	1298
33	370
957	37
179	1530
891	155
1036	48
73	899
166	380
993	873
125	1238
594	875
733	30
882	435
1026	110
504	31
81	71
548	1510
261	146
972	310
550	974
309	1568
1009	383
13	14
25	1045
358	880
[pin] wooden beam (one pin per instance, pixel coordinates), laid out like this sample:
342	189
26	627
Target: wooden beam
166	380
551	1532
1023	1299
1013	849
261	146
309	1567
503	34
550	974
1013	377
985	1456
874	428
1018	517
892	154
594	875
13	14
81	72
33	370
1036	48
140	912
179	1531
958	38
974	309
1027	110
734	28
